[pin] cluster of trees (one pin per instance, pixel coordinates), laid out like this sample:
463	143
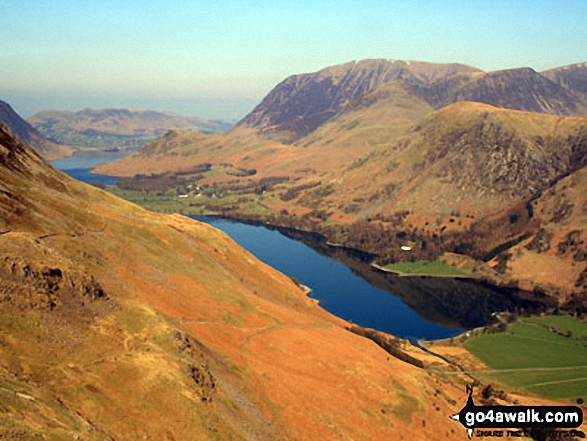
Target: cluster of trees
293	192
392	345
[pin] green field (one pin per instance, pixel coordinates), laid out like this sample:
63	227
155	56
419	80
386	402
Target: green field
546	356
170	203
436	268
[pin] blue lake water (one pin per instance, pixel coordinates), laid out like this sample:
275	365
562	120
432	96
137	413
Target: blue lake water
427	308
339	290
78	166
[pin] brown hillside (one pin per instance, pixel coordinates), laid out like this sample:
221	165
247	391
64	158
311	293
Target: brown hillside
121	323
467	157
560	245
302	103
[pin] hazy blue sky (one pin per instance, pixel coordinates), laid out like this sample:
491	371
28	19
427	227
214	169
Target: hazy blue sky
217	59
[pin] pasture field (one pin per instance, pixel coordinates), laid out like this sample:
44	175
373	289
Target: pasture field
436	268
546	356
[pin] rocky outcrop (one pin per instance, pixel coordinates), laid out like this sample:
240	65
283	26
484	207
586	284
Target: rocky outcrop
573	77
38	286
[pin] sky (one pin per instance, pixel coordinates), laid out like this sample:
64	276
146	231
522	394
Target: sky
217	59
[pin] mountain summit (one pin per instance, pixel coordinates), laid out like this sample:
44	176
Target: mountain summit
301	103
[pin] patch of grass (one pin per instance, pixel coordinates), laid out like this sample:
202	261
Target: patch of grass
436	268
405	404
562	324
538	355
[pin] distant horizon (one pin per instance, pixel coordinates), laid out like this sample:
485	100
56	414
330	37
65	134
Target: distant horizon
218	59
229	110
225	109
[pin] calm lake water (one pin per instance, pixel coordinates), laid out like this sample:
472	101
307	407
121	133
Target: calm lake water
347	286
339	290
78	166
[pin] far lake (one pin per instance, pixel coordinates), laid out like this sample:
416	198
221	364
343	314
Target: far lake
347	286
78	165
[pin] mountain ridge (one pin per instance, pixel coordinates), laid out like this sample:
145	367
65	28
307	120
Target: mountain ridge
301	103
30	135
111	127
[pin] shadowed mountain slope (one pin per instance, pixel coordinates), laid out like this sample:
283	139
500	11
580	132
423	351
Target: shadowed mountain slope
573	77
519	89
301	103
30	135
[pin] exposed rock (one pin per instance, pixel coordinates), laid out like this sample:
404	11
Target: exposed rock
37	286
571	243
204	380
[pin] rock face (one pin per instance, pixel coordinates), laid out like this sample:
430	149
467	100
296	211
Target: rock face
573	77
301	103
30	135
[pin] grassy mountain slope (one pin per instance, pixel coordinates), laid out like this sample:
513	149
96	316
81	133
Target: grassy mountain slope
559	246
471	157
454	179
372	120
118	323
365	153
30	135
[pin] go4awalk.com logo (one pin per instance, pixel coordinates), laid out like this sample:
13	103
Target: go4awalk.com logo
477	419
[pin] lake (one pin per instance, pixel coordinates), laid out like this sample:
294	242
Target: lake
78	165
346	285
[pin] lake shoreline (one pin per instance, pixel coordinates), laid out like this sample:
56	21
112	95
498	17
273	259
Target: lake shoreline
402	274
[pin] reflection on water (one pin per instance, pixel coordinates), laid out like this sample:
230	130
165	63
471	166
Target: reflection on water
347	286
462	303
